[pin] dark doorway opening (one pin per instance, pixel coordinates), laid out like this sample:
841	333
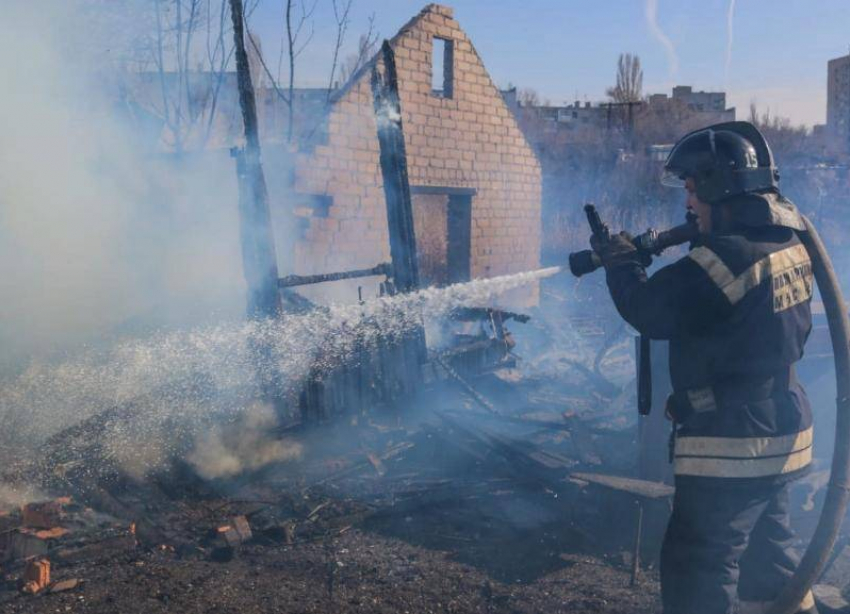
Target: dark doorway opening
442	223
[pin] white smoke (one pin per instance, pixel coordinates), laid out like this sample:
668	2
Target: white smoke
228	450
651	14
96	235
730	37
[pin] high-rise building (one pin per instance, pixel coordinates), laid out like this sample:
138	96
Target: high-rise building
838	103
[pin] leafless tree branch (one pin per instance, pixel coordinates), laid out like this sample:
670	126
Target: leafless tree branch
268	72
341	13
629	86
367	46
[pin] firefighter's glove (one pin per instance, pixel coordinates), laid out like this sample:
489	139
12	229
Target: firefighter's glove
618	250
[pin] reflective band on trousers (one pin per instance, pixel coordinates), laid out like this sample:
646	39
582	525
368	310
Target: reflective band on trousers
762	607
750	457
790	269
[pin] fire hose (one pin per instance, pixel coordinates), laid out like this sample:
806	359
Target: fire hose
838	489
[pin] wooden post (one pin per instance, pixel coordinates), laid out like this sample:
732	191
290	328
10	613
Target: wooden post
393	158
259	260
394	171
636	548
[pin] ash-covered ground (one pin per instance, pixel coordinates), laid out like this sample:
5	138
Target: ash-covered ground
446	504
442	505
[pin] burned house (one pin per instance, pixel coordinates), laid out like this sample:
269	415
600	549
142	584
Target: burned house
475	181
474	178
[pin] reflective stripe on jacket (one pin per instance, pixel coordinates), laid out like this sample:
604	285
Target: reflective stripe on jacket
737	313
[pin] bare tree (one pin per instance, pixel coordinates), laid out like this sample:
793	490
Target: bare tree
176	21
367	46
629	86
341	12
292	36
219	54
176	65
528	97
296	17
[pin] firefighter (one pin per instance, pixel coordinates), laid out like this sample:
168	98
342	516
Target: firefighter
736	311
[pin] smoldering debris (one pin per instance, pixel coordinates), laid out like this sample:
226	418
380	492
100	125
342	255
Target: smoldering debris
347	475
246	445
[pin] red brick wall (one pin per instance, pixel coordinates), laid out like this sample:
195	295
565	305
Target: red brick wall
470	140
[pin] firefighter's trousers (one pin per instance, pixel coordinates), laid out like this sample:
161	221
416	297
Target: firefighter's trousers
727	549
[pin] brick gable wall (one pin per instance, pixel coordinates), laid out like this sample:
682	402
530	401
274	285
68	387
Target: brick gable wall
468	141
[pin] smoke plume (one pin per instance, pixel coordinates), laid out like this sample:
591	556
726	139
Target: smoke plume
730	22
98	237
651	14
228	450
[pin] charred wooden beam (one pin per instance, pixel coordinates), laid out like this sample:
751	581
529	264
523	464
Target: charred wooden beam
470	314
479	398
393	159
394	171
303	280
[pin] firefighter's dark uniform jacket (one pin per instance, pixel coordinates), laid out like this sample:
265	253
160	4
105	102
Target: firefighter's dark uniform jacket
736	310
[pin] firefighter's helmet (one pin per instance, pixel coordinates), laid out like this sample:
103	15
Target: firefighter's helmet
723	160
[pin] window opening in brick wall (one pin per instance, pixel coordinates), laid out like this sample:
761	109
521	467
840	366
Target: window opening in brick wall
442	67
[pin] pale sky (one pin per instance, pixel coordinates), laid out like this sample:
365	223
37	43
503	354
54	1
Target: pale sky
568	49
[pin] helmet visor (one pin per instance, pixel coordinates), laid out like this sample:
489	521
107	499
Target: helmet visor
671	179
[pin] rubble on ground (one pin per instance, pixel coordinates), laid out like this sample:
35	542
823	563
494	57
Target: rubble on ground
483	496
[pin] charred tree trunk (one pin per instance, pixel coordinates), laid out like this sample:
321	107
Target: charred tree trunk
258	252
259	260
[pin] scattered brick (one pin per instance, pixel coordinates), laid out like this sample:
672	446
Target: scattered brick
36	576
54	533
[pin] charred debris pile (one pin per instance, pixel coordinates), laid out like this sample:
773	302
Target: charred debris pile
476	462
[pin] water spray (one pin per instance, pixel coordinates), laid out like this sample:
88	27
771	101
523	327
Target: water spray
174	385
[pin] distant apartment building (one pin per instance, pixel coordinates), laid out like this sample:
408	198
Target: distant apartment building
658	116
665	119
696	102
578	117
838	103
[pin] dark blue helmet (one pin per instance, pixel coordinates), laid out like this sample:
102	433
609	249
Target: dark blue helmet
723	160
